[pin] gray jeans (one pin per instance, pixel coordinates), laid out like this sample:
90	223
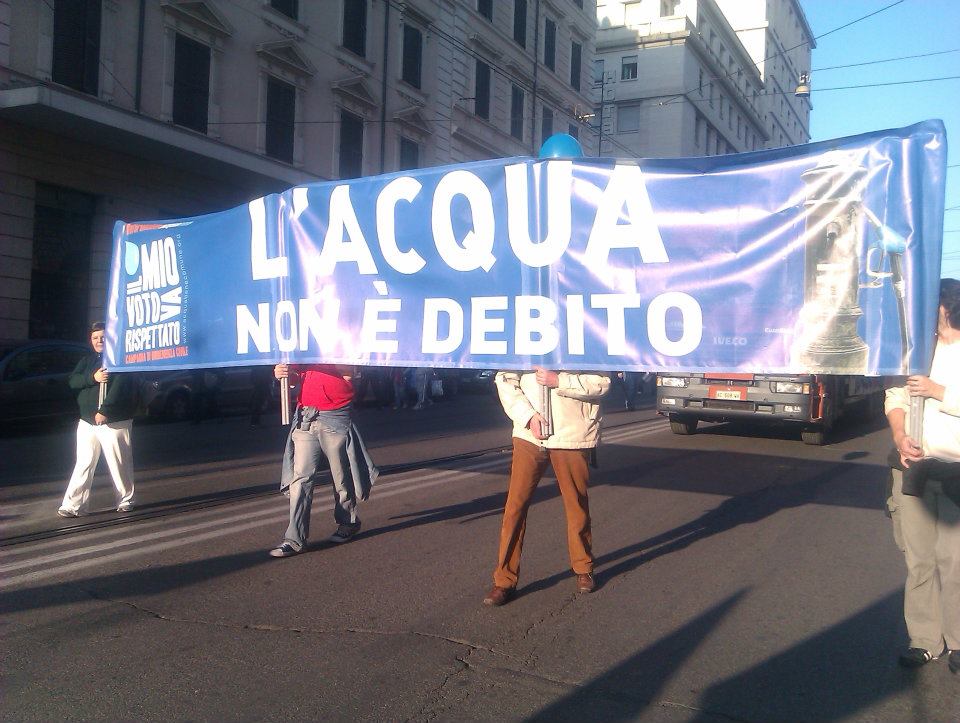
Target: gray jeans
929	535
320	434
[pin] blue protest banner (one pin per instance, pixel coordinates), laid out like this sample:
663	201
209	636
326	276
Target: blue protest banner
820	258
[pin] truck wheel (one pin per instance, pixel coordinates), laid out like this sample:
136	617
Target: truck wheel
816	436
683	425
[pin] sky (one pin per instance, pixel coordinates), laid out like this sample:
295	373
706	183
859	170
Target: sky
909	27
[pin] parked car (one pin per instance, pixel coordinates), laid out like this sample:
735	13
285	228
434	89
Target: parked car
196	393
476	381
33	381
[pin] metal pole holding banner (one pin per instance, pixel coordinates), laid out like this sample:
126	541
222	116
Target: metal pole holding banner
915	425
546	411
285	401
103	389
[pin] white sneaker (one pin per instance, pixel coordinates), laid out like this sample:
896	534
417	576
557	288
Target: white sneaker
125	507
64	512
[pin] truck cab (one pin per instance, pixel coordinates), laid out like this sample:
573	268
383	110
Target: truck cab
812	402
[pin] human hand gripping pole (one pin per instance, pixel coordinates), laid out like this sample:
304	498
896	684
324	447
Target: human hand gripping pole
282	372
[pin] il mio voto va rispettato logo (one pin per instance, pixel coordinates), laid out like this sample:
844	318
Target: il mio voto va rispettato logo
154	300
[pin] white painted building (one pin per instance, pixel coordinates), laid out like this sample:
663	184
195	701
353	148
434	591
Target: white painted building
144	109
700	77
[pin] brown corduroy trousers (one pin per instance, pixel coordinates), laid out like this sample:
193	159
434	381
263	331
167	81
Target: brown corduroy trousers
571	467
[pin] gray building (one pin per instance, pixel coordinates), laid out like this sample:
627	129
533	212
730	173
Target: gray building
700	77
144	109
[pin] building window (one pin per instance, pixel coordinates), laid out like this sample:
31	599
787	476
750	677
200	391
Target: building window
287	7
628	67
628	119
698	131
409	154
485	8
351	145
520	22
60	270
721	106
598	72
355	26
76	44
576	51
281	112
481	91
516	112
574	131
191	83
412	55
700	86
578	3
710	88
550	43
546	124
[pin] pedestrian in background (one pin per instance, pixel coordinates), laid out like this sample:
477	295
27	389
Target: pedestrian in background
629	382
103	428
261	382
925	500
322	426
398	375
574	403
422	376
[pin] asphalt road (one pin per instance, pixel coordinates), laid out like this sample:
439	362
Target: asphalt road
744	578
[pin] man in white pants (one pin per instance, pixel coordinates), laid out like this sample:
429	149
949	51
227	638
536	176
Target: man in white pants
103	427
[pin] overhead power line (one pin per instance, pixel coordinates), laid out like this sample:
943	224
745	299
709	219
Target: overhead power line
787	50
884	60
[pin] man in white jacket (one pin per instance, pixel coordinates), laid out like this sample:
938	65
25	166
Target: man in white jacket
575	411
925	503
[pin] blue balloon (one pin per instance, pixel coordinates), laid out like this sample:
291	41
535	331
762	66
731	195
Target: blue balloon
561	145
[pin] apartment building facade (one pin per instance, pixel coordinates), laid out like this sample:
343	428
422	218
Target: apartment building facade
145	109
700	77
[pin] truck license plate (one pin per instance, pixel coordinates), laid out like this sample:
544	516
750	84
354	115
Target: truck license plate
728	394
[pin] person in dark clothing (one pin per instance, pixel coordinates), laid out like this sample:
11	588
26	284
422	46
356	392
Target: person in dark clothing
261	382
104	427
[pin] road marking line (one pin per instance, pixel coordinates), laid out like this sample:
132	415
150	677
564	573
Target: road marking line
271	516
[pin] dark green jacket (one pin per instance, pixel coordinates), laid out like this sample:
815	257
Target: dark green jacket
121	399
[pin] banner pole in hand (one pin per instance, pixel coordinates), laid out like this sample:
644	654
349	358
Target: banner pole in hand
545	411
916	419
103	388
285	401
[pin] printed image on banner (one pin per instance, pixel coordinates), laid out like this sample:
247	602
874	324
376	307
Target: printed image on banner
154	281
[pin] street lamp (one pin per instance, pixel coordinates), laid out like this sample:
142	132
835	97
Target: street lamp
803	89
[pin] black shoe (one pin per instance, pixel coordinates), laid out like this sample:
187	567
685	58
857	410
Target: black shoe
344	533
285	549
916	657
953	660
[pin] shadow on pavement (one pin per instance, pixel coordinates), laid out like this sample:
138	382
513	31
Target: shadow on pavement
626	690
148	581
